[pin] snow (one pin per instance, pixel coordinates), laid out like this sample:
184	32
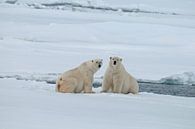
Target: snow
179	6
38	44
151	46
36	105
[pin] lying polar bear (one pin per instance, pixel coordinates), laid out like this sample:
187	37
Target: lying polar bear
117	79
79	79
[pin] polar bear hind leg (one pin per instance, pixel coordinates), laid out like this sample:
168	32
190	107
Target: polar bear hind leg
68	85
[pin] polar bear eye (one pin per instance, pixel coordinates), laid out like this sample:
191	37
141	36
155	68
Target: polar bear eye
96	62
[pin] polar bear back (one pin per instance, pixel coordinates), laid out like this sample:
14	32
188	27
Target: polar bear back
130	84
133	85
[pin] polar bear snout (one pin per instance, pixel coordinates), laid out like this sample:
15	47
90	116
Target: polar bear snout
100	64
114	63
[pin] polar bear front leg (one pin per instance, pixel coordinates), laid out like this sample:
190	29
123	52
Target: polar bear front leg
88	87
117	84
107	84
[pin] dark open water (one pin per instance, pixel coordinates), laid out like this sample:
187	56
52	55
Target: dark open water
166	89
177	90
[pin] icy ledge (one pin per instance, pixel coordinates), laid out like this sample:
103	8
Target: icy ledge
186	78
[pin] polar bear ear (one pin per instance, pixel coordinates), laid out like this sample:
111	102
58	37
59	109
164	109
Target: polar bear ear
121	59
110	58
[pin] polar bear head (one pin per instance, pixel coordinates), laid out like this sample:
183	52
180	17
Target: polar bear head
115	62
95	64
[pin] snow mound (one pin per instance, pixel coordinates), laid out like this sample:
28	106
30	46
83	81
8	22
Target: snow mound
180	79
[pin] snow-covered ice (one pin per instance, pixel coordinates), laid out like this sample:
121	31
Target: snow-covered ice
152	46
38	44
26	104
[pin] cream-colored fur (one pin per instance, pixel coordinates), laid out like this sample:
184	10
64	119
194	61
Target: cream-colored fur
79	79
117	79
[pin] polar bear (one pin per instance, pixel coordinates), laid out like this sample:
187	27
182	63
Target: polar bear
117	79
79	79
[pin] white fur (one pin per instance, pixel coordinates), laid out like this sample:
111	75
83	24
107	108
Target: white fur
78	79
117	79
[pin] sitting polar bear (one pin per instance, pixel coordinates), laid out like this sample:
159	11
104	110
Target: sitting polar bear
79	79
117	79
